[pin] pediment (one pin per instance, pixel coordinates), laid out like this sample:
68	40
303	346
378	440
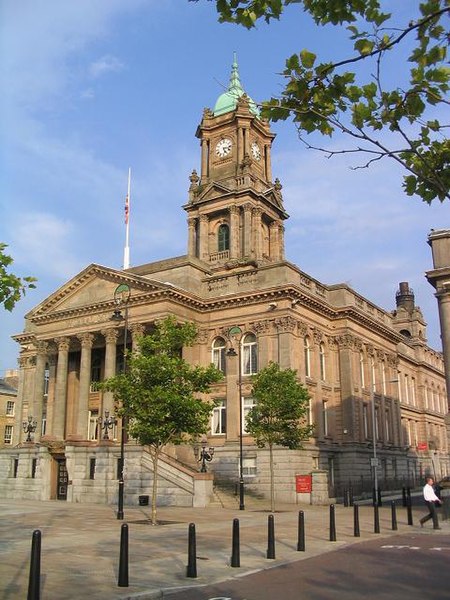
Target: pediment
212	191
94	286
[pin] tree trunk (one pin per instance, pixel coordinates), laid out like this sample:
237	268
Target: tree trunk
155	457
272	482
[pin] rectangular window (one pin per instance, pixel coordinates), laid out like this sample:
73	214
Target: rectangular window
387	424
383	375
9	429
219	418
46	380
15	467
44	424
93	433
250	359
406	389
10	408
413	391
325	418
374	380
247	405
377	423
33	468
92	468
249	467
366	421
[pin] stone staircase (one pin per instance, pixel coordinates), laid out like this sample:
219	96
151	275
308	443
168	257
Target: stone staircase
227	496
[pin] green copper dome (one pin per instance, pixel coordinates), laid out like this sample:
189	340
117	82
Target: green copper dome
227	102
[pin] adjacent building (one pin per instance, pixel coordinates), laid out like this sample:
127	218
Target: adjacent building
370	373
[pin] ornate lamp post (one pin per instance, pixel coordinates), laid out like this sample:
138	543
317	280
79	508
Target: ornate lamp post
29	427
204	455
236	334
121	298
107	423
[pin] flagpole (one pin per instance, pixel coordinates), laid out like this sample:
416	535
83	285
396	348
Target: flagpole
126	251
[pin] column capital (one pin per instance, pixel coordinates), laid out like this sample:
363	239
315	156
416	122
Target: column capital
110	335
204	218
63	343
41	347
233	209
86	340
137	329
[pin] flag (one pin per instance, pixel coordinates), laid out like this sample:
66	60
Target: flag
127	209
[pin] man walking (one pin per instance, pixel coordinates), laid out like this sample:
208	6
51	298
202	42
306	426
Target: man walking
430	500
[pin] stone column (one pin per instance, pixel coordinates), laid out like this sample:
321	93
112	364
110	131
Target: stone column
204	238
274	246
110	336
192	221
268	165
38	396
346	344
247	249
204	173
439	278
280	241
257	214
137	330
59	416
51	395
82	417
286	327
234	232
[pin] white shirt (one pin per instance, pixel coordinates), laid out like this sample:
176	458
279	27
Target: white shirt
428	493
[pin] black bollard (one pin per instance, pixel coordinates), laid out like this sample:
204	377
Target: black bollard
34	582
235	553
376	519
301	532
332	524
409	510
345	498
379	497
191	570
393	515
271	537
404	496
356	532
123	559
350	496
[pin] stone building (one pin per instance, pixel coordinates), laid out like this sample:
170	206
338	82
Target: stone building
8	397
369	372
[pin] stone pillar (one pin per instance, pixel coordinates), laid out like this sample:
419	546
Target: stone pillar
247	247
234	232
267	165
110	336
205	147
38	396
257	245
346	344
439	240
192	246
51	395
137	331
274	245
204	238
82	417
280	241
285	328
59	416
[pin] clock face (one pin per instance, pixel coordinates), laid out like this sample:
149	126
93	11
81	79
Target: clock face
256	152
223	148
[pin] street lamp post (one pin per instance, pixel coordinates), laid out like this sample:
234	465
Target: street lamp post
204	455
107	423
121	297
233	332
29	427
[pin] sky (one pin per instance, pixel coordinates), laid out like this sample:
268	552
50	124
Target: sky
95	87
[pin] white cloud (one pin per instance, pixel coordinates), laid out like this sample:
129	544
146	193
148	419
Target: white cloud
105	64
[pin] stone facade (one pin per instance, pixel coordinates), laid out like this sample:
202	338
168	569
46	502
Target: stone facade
360	363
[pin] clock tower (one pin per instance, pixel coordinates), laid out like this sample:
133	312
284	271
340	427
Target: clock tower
235	210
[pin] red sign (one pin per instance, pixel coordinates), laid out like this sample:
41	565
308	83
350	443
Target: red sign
303	484
422	446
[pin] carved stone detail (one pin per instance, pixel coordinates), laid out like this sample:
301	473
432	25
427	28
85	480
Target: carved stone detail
86	340
63	344
110	335
286	324
346	341
302	329
261	327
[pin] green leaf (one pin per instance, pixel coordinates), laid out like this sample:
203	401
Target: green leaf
308	59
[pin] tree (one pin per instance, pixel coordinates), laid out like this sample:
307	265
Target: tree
402	122
157	395
279	415
12	288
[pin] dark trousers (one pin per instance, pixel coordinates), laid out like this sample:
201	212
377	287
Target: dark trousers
432	515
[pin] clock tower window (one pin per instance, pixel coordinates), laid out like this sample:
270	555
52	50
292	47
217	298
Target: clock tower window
223	238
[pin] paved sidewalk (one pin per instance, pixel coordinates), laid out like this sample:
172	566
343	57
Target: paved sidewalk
80	545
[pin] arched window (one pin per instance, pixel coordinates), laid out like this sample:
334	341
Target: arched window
223	238
307	352
249	354
218	354
322	361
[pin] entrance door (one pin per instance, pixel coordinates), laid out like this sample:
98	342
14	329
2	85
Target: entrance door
63	480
